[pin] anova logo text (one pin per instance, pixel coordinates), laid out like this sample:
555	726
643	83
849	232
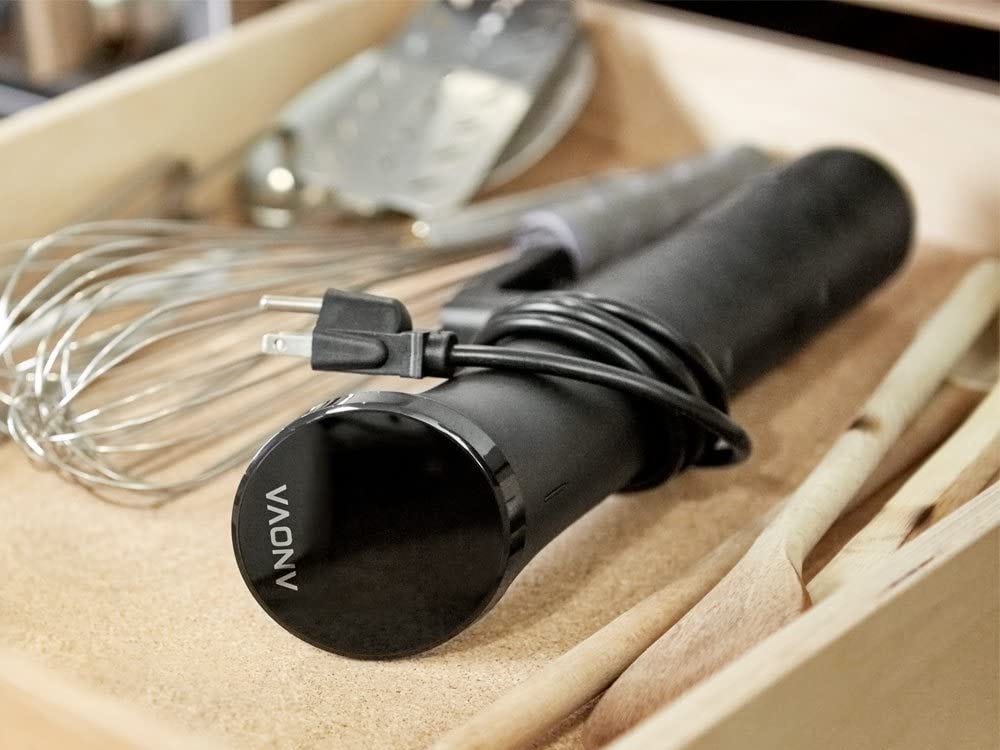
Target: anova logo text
281	538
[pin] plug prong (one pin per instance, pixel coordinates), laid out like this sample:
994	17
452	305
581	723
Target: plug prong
280	303
287	344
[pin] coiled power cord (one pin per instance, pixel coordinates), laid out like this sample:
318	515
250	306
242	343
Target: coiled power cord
622	348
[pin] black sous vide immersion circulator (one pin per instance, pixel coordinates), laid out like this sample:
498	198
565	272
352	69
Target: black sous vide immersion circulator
382	524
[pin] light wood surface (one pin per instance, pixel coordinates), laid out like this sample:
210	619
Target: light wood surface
58	37
913	379
147	607
196	102
957	470
765	591
835	678
942	416
39	709
982	13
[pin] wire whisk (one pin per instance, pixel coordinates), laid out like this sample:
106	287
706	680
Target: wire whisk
129	350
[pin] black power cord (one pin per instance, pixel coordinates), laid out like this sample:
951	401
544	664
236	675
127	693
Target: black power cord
627	350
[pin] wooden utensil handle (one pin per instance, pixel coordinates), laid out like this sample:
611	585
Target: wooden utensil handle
528	710
944	414
957	470
920	371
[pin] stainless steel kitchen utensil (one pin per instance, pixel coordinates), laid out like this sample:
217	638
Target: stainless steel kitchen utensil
463	97
126	365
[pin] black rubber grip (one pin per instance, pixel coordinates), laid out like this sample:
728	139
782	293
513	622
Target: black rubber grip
622	213
749	282
753	278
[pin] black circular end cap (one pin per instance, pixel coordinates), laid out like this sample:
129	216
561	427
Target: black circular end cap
377	526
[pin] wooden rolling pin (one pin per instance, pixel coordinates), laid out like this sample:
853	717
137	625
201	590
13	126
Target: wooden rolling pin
765	590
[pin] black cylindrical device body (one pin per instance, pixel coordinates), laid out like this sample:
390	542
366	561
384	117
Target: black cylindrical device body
407	516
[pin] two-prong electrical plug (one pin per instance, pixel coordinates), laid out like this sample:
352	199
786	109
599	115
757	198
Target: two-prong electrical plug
360	333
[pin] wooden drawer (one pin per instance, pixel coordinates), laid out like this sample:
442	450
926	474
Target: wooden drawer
123	628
